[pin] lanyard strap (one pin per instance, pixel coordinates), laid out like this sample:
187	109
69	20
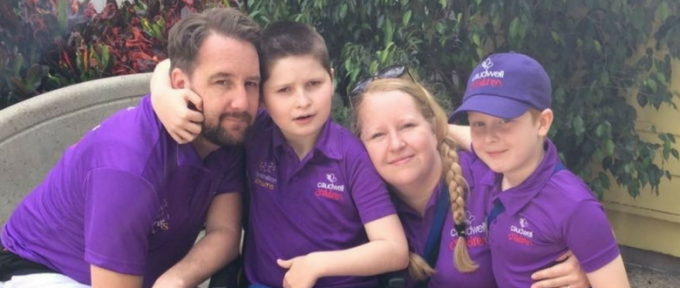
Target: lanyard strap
434	238
498	207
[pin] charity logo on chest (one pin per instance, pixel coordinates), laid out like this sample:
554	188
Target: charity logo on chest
521	233
264	175
329	188
162	221
476	234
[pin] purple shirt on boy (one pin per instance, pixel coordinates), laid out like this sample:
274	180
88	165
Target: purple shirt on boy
319	203
549	213
126	198
417	229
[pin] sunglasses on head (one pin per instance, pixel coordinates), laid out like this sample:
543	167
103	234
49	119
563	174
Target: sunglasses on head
394	71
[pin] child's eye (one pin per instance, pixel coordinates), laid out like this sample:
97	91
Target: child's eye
504	121
284	90
313	83
477	124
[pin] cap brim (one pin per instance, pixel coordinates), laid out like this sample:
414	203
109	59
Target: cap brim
493	105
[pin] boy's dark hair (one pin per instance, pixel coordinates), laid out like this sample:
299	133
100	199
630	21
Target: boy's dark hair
186	36
288	38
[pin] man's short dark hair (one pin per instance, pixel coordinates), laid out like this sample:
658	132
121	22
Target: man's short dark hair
287	38
186	36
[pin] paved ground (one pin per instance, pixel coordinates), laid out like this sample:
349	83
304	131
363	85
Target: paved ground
643	277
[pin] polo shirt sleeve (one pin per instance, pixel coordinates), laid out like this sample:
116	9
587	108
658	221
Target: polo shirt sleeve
590	237
234	173
120	209
368	190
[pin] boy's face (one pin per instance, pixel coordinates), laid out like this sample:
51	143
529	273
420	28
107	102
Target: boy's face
297	96
227	77
512	147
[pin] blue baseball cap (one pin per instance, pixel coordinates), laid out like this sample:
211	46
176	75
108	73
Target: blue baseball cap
506	85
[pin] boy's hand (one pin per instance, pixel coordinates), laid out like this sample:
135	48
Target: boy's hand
302	271
172	108
568	273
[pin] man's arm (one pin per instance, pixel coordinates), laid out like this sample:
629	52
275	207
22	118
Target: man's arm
103	278
219	246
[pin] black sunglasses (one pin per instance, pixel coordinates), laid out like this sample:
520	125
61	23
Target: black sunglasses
394	71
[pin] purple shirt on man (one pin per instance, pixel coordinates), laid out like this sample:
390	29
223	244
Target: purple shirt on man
417	229
549	213
319	203
126	198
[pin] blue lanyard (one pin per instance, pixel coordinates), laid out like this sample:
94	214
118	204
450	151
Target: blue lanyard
498	207
434	237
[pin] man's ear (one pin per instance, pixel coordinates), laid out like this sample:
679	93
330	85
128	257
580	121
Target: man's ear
545	121
178	79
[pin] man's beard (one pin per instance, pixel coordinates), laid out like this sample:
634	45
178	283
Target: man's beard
219	136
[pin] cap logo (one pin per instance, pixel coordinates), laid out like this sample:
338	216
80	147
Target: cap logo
487	64
487	78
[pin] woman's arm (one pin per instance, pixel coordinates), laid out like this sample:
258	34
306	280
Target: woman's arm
386	251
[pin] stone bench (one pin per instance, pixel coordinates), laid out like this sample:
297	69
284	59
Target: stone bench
35	132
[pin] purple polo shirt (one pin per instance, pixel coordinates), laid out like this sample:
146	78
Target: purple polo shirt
417	229
546	215
319	203
126	198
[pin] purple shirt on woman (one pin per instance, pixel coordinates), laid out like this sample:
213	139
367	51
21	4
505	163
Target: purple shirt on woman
126	198
417	229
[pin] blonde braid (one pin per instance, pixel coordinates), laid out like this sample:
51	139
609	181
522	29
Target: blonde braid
453	176
418	267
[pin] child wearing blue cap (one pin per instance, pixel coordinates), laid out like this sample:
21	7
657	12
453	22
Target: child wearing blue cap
538	210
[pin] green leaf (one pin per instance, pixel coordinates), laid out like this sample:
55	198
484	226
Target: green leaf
578	125
389	31
598	47
675	154
443	3
343	10
513	30
662	12
661	77
555	36
651	84
105	56
62	15
406	18
609	147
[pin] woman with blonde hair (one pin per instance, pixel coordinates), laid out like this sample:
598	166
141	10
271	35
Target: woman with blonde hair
410	143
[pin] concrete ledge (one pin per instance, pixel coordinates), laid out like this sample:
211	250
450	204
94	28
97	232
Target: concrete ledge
34	133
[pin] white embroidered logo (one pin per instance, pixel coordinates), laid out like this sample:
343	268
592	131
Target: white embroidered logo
522	230
331	186
523	222
331	177
487	64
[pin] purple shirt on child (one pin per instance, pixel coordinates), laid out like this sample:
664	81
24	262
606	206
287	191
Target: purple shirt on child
417	229
319	203
546	215
126	198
